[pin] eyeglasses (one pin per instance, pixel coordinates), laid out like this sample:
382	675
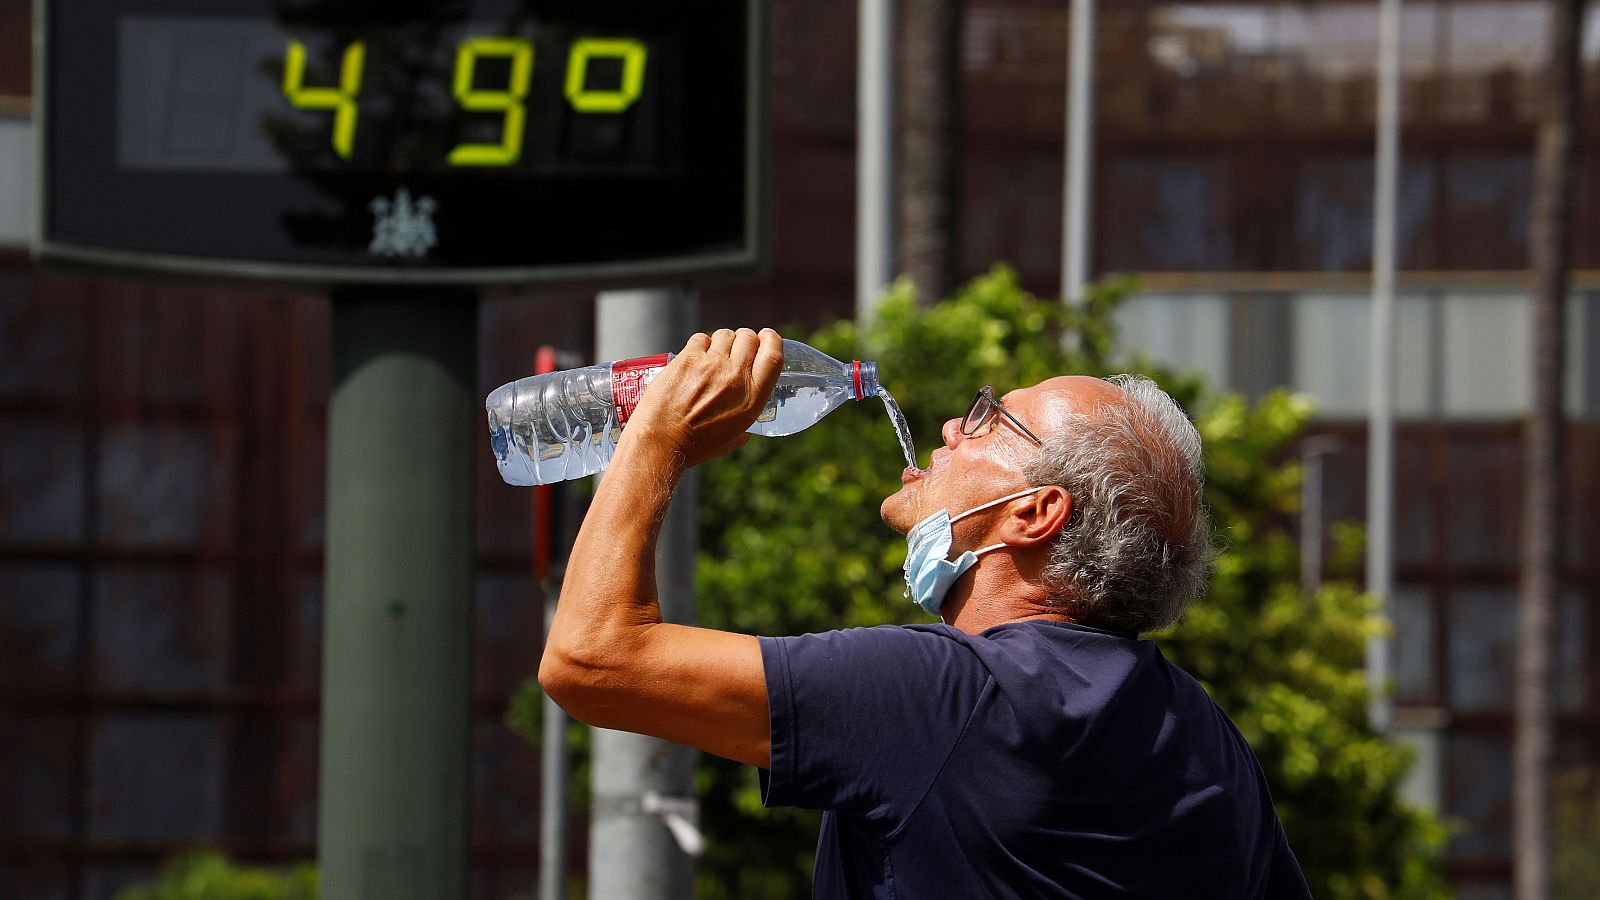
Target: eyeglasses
983	410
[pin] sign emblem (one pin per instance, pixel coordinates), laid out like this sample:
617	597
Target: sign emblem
402	227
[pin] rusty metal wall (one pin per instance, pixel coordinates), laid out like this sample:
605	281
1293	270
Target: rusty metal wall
161	497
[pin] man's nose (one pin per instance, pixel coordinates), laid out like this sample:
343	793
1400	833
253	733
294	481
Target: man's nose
951	432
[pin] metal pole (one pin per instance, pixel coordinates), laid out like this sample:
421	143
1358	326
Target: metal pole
403	424
1380	386
1080	127
874	155
1311	522
556	771
555	768
636	844
1312	453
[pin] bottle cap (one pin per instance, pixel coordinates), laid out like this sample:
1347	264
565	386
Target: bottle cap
865	379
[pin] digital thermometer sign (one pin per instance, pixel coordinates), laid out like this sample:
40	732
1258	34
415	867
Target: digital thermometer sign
435	142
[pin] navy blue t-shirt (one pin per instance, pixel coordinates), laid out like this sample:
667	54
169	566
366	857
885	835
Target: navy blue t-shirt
1039	759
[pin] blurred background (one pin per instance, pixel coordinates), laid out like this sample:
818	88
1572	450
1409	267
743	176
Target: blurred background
163	442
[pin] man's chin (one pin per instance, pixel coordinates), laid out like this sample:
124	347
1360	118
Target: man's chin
896	510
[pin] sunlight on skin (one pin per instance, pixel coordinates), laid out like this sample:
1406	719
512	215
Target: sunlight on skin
1046	408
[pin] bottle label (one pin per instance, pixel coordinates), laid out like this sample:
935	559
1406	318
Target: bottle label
629	378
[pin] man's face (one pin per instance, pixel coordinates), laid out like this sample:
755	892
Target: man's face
968	470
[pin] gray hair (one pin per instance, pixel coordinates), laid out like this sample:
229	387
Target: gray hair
1137	547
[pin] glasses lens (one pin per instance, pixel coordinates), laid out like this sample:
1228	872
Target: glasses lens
981	411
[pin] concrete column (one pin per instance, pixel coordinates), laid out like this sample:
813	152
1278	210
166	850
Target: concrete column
403	423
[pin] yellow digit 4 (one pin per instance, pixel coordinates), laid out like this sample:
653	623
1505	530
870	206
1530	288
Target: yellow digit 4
508	101
342	99
584	100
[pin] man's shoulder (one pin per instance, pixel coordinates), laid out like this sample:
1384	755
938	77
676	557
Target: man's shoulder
915	638
905	654
1017	654
876	634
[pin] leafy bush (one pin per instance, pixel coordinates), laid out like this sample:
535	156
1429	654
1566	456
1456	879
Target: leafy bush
1575	866
207	875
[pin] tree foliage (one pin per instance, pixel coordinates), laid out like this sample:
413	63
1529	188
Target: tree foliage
791	542
1575	866
208	875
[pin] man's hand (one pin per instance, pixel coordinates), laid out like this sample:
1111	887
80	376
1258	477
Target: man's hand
701	406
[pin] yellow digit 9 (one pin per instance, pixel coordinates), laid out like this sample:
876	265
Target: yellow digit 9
584	100
342	99
508	101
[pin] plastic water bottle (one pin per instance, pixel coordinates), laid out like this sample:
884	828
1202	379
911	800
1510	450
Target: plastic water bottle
562	425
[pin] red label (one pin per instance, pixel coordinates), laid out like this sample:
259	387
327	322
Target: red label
629	378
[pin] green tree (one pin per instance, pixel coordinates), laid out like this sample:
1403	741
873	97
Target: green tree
207	875
1575	867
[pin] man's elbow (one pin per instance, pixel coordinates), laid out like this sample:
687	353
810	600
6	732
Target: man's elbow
561	677
581	680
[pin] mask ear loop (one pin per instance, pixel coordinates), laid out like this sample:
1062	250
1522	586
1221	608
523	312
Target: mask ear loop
1006	499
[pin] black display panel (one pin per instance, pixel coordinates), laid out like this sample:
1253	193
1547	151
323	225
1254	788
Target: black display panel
476	140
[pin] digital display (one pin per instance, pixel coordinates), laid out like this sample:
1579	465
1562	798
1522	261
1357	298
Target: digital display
252	96
441	141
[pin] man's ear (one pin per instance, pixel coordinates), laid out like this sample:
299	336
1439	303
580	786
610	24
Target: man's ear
1039	519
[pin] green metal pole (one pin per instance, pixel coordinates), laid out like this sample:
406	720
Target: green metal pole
397	653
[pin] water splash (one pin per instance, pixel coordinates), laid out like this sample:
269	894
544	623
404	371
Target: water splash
902	429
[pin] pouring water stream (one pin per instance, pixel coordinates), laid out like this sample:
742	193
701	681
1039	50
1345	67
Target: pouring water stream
902	429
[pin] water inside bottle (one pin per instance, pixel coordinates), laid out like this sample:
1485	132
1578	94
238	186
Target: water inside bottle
799	401
561	425
902	429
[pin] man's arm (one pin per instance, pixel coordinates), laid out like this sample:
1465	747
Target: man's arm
609	660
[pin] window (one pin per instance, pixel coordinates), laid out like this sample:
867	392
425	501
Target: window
1184	332
1332	337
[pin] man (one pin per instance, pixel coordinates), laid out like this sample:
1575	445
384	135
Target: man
1029	746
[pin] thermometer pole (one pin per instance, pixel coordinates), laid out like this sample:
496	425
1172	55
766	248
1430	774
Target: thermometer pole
403	434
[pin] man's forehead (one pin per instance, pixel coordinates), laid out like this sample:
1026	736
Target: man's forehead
1048	405
1066	393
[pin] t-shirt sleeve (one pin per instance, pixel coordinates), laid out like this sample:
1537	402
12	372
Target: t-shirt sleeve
864	719
1285	881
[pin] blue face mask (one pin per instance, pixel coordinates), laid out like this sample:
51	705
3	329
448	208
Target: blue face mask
929	575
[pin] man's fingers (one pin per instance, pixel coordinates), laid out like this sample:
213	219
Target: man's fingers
769	362
745	344
697	341
722	341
